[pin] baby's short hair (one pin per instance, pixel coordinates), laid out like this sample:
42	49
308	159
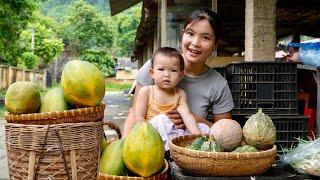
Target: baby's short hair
169	52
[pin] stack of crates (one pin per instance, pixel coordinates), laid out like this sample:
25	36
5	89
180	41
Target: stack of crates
272	86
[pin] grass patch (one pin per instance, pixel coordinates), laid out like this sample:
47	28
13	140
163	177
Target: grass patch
2	111
2	93
117	86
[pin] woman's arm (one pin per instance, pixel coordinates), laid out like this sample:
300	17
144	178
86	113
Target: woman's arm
128	124
175	117
186	114
217	117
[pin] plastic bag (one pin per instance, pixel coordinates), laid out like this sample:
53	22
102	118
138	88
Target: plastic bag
309	53
305	158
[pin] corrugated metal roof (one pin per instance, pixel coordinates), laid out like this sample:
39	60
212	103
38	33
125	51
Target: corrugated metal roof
117	6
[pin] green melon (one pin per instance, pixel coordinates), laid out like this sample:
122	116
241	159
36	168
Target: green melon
245	148
22	97
211	145
197	143
259	131
111	161
143	151
53	101
82	84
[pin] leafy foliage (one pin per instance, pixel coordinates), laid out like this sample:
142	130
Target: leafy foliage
28	60
14	16
86	28
83	26
102	60
127	23
47	46
91	34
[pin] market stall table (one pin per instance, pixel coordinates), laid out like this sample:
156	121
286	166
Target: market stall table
275	172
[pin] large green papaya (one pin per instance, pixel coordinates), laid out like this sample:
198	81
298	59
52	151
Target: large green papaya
53	100
82	83
23	97
111	161
143	150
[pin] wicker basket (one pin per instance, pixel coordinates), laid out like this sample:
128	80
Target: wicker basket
162	175
88	114
58	151
200	163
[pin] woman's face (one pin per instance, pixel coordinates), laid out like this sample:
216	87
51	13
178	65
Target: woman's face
198	41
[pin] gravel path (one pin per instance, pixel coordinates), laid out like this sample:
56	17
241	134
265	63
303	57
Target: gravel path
117	106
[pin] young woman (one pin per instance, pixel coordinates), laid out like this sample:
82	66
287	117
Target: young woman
204	87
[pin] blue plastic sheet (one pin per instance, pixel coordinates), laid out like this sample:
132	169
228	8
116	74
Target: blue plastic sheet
309	53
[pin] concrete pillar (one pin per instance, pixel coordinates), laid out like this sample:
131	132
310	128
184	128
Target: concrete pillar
260	30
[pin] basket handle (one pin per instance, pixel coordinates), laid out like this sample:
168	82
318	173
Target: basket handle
113	126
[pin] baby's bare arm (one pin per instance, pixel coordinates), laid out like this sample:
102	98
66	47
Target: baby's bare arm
141	104
186	114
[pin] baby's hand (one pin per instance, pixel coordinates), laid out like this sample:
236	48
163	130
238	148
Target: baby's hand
176	119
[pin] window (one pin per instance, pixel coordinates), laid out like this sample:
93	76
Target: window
176	11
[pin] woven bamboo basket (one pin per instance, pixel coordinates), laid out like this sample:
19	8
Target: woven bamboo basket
88	114
59	145
58	151
161	175
200	163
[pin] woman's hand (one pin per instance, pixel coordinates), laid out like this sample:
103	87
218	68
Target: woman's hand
176	119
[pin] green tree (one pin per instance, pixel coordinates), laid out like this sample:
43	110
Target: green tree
86	28
14	15
28	60
127	24
102	59
47	46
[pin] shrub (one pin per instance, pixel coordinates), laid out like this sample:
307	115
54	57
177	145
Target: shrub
28	60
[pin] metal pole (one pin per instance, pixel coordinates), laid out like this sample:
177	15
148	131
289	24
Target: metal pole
318	102
163	13
32	40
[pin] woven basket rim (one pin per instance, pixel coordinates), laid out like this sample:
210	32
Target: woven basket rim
52	126
137	177
54	115
220	155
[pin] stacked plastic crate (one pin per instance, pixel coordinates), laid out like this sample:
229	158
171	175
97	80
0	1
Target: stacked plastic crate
271	86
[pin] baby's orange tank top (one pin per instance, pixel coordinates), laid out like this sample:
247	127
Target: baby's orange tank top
155	108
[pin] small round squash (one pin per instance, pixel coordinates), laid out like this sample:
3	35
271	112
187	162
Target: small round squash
228	133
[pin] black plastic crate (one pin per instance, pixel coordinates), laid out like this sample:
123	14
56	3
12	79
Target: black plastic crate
289	128
269	85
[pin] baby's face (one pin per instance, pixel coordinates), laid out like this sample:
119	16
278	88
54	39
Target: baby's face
166	71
